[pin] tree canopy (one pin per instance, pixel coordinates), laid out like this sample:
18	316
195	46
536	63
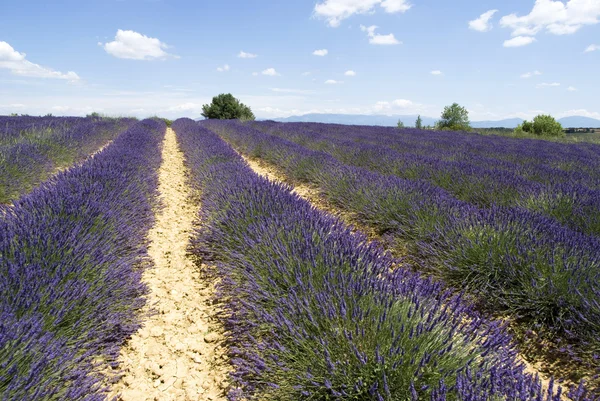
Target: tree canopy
419	123
542	125
454	118
227	107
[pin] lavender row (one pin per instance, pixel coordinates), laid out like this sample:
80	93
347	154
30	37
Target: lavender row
564	162
471	174
32	148
314	311
71	257
517	262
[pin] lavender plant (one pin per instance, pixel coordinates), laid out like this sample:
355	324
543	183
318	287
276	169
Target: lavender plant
315	312
71	257
33	148
518	263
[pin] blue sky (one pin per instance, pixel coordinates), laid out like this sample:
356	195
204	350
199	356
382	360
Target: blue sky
167	57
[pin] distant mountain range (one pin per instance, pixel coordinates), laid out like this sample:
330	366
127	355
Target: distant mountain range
357	119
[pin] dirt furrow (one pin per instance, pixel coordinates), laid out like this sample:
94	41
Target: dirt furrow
178	353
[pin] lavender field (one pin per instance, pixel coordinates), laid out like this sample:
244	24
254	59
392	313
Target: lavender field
431	265
33	148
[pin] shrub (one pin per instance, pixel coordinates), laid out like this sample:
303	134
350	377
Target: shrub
542	125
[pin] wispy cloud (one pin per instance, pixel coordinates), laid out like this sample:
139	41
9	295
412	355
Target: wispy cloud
243	54
377	39
350	73
519	41
320	52
270	72
436	72
482	24
530	74
17	64
335	11
333	82
223	68
294	91
592	48
547	85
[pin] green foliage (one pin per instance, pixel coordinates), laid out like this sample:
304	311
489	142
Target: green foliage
542	125
400	124
227	107
419	123
454	118
94	115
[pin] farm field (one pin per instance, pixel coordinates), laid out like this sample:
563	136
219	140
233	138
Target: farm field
165	267
34	148
521	260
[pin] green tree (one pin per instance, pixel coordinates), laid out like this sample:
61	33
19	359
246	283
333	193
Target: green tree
419	123
454	118
227	107
542	125
400	124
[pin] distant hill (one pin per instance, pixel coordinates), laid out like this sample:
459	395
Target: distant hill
388	121
507	123
381	120
579	122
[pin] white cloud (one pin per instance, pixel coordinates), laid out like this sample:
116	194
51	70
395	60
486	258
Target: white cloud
321	52
224	68
17	63
482	24
188	106
377	39
547	85
135	46
333	82
579	112
350	73
403	106
270	72
592	48
555	17
402	103
572	89
519	41
335	11
243	54
305	74
530	74
395	6
294	91
436	72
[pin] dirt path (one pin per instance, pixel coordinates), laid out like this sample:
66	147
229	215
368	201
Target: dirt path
177	355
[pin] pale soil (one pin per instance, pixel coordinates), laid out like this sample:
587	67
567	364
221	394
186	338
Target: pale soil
311	194
178	353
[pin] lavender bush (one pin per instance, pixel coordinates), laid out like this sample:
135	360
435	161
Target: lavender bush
32	148
560	181
315	312
519	263
71	257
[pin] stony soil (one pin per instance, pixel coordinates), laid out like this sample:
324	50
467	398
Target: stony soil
178	353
